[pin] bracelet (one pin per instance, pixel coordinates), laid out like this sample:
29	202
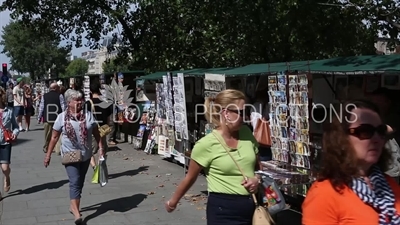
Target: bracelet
170	206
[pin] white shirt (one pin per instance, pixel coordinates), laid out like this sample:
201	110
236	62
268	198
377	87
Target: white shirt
256	113
18	94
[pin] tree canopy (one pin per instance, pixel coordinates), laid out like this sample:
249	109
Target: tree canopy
167	35
115	65
76	67
33	49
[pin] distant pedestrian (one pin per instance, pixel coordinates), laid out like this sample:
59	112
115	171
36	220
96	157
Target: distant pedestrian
19	102
29	106
77	127
10	96
51	105
8	122
102	115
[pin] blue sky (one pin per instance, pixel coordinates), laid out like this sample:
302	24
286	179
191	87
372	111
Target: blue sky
5	19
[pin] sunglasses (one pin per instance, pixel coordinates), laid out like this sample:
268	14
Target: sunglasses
240	112
367	131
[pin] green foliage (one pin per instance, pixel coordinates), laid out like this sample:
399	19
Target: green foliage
76	67
114	65
33	49
169	35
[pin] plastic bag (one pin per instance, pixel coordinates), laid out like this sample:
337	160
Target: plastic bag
272	197
95	177
103	171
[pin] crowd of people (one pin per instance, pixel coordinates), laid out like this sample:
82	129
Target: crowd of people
354	185
71	129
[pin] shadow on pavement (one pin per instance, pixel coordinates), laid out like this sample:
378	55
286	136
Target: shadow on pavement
128	172
122	205
38	128
113	148
20	141
38	188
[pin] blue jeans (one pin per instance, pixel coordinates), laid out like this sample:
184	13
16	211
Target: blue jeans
76	176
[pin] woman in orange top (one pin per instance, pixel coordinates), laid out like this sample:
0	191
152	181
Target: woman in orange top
352	188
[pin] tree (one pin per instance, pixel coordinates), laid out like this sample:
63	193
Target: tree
114	65
33	49
76	67
169	35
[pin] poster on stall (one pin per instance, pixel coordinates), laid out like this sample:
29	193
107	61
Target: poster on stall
299	125
181	127
279	117
160	101
169	107
140	91
86	87
162	145
213	84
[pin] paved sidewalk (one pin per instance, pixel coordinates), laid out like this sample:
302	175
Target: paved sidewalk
138	186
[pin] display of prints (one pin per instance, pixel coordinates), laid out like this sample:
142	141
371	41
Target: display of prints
151	141
181	127
299	124
213	84
162	145
169	108
279	117
160	101
86	87
140	91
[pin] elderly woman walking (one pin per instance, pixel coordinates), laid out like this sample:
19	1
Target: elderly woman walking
77	127
7	123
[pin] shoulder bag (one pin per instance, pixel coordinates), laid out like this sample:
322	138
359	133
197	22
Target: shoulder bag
262	132
103	130
261	216
6	132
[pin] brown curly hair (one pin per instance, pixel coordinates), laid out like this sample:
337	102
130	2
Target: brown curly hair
3	96
339	162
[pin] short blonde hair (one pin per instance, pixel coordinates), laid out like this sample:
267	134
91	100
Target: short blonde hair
213	106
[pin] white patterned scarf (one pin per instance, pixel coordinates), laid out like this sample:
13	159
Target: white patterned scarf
381	198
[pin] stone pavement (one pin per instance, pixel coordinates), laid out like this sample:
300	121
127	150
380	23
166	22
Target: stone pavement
138	186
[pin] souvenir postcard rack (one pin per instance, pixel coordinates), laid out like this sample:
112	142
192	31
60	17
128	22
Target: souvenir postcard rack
213	84
293	153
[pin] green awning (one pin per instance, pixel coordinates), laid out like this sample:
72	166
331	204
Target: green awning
357	65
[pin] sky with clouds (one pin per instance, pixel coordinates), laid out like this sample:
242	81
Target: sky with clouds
5	19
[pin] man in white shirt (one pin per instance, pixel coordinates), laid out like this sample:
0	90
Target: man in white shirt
19	102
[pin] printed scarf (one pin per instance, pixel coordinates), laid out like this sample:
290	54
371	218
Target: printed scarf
381	198
71	134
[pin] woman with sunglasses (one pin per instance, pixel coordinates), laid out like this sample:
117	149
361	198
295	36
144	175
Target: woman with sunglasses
352	188
229	200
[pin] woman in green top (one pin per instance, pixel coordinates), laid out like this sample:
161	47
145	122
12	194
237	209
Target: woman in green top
229	200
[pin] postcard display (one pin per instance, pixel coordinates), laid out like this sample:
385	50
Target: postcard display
160	118
180	119
167	128
86	87
288	103
213	84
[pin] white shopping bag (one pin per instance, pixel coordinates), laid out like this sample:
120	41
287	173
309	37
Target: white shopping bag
103	171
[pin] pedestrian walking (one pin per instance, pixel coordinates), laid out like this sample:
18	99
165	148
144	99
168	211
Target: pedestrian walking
220	153
19	102
352	187
102	115
51	104
77	127
7	123
10	96
29	106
